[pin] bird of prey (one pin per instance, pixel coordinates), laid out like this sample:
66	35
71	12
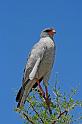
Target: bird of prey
38	66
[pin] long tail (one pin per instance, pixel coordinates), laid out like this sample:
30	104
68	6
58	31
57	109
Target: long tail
23	93
25	90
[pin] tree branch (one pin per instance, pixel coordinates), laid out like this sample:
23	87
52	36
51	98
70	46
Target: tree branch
36	112
64	112
28	118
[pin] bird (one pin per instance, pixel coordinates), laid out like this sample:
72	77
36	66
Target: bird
39	65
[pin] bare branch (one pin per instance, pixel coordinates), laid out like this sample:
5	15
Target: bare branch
36	111
28	118
64	112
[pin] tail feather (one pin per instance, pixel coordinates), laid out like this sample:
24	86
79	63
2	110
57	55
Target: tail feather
20	92
24	91
19	95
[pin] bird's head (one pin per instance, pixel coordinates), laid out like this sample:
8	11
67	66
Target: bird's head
48	32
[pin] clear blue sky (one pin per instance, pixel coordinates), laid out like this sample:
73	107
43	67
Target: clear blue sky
21	22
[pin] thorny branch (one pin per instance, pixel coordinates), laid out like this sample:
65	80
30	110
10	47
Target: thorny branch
62	113
28	118
35	111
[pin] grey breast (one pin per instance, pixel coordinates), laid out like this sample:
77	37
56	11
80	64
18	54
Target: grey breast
47	60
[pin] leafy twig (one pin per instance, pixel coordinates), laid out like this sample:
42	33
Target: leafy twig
62	113
35	111
28	118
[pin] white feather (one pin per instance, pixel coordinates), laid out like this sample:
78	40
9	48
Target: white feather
34	70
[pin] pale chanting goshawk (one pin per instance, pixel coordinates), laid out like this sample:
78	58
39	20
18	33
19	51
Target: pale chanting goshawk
39	65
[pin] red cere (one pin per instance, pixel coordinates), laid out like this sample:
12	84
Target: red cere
51	32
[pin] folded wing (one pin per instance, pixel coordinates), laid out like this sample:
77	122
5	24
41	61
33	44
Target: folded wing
31	68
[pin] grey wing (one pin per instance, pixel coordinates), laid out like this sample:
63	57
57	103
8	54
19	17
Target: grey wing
30	70
34	60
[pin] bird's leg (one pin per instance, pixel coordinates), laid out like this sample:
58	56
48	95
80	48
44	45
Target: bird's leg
48	100
40	88
46	92
46	97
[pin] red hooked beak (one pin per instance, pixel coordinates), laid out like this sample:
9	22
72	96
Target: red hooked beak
52	32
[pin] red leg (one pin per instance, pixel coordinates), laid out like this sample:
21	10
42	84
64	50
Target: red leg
40	88
46	91
48	100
